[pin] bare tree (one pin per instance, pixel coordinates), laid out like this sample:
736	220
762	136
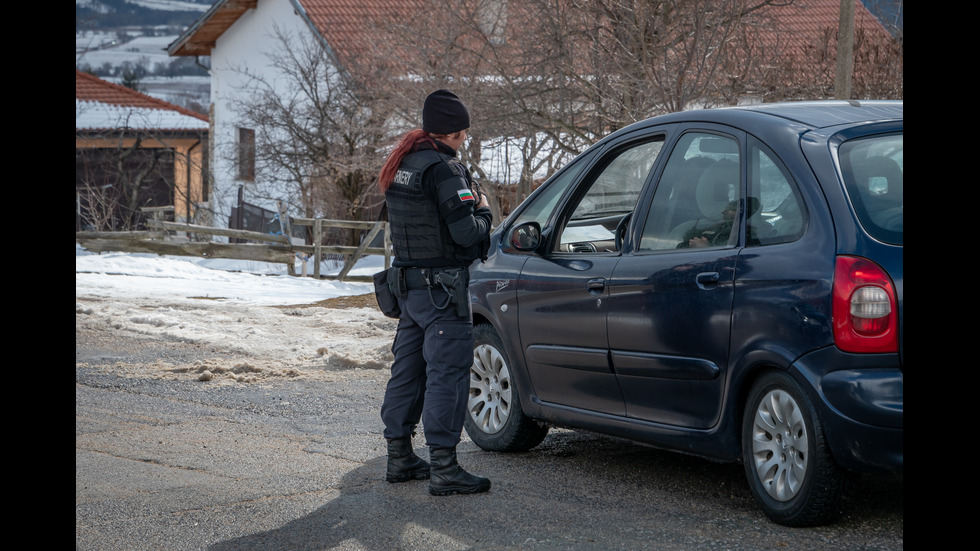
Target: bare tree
556	75
467	46
809	72
317	139
97	201
879	66
544	78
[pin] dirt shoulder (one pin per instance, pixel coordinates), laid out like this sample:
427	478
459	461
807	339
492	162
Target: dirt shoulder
353	301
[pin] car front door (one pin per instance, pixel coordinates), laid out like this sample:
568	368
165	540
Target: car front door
562	293
670	297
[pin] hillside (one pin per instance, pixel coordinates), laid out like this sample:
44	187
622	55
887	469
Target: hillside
119	14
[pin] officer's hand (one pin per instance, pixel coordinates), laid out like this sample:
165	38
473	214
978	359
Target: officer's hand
483	201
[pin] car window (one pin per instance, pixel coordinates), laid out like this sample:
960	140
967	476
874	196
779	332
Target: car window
542	205
695	204
610	197
775	211
873	171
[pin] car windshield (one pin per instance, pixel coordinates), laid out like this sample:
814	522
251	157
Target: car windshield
873	171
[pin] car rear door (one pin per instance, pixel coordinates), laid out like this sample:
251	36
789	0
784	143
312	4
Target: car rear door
670	298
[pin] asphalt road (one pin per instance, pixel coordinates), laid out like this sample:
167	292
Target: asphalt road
175	465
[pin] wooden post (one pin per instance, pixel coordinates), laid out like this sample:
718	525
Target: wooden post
287	233
317	244
845	50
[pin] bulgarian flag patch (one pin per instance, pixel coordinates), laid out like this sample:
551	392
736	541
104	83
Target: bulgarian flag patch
466	195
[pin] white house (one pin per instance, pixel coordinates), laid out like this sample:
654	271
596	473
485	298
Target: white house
241	38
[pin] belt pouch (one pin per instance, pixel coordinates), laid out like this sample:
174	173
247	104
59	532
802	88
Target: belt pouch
387	301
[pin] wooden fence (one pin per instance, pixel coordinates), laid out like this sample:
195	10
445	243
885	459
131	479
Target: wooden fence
163	238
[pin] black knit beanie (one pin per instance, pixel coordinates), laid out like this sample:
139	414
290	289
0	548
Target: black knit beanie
444	113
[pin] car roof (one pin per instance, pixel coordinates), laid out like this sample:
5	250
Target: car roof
810	114
821	114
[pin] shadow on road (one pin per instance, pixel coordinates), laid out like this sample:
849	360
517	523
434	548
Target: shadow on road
371	514
575	491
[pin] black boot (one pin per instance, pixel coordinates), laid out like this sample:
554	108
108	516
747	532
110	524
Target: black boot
449	478
403	464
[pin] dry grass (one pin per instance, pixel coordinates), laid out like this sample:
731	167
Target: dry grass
354	301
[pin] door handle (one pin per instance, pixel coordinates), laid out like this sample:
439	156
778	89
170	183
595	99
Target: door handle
596	285
707	280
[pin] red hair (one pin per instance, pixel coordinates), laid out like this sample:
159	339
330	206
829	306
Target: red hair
404	147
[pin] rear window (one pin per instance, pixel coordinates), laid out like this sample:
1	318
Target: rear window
872	170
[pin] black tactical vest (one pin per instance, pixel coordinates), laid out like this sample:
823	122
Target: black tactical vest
417	234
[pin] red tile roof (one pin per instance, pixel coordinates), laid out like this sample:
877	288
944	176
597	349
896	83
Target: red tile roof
347	24
92	88
102	105
803	22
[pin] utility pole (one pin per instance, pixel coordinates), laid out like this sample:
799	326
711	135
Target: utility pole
845	50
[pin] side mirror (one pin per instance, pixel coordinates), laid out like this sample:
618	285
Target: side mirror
526	236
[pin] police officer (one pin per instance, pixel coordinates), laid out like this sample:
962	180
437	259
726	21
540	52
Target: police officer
438	226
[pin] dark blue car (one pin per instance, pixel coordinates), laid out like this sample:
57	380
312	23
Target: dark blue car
720	282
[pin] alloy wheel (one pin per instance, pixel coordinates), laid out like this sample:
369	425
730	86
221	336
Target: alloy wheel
779	445
490	389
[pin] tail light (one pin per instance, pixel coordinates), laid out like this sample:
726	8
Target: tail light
865	309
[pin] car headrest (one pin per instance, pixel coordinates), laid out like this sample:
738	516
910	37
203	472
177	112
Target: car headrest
717	187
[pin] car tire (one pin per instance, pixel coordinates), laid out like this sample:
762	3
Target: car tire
495	420
787	460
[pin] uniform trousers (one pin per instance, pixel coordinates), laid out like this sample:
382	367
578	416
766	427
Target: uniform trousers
433	350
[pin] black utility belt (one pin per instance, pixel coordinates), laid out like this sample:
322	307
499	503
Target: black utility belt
393	284
426	278
454	281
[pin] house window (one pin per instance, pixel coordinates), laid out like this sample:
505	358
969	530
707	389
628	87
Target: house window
246	154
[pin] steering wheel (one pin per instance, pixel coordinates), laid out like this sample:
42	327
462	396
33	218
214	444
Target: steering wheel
621	230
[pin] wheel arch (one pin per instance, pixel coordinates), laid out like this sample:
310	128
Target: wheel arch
817	499
748	369
513	429
516	359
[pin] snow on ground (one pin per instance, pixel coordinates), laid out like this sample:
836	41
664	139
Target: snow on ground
263	323
188	278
